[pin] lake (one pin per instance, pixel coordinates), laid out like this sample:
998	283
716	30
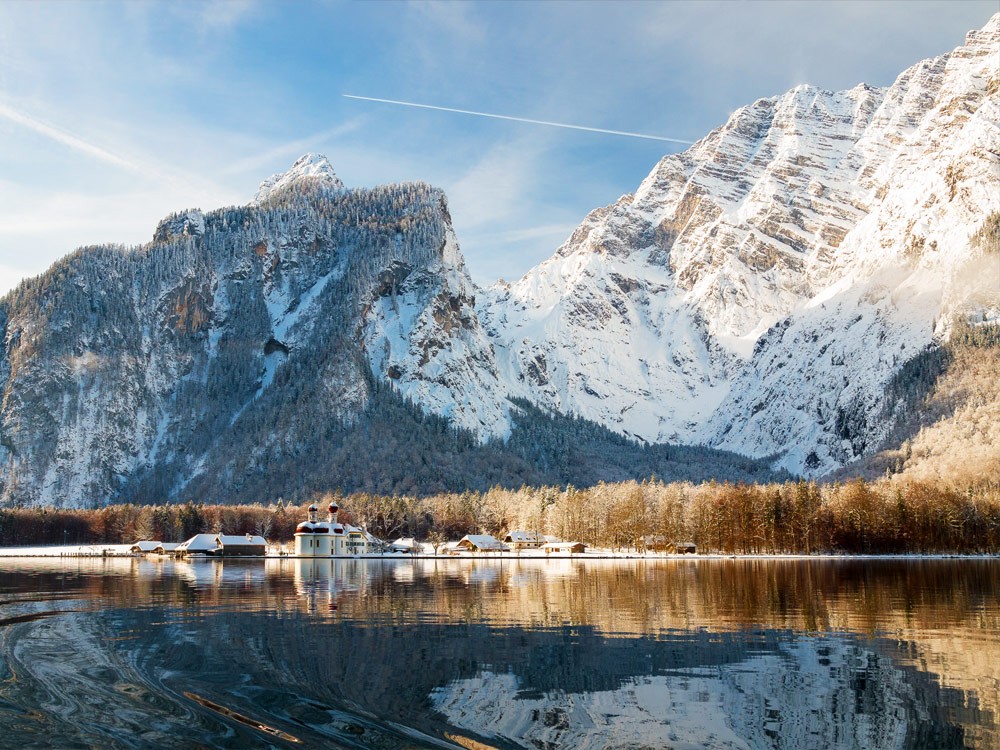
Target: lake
539	654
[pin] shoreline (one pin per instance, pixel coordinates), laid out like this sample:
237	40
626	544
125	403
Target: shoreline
123	551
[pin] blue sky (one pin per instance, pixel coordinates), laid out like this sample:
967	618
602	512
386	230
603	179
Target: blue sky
114	114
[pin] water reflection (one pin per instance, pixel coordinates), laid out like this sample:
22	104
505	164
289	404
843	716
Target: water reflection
528	653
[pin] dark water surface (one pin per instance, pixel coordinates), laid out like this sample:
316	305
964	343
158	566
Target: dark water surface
540	654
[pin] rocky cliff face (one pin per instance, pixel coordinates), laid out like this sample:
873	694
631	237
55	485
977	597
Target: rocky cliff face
232	337
758	291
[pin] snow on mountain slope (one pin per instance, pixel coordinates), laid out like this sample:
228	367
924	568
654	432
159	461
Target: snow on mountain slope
422	334
759	289
312	169
238	341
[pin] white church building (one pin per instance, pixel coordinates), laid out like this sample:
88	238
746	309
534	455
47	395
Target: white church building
330	538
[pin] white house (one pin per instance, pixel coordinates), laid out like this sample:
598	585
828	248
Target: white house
564	548
406	544
518	540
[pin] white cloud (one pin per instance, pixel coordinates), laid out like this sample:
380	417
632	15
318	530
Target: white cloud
216	17
456	19
10	277
497	185
753	49
556	232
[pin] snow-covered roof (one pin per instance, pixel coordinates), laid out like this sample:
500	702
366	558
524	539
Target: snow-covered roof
562	545
333	528
241	541
308	527
167	546
481	541
523	537
366	534
145	546
405	543
199	543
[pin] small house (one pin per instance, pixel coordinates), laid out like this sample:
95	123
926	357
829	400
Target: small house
564	548
153	548
406	544
480	543
248	545
518	540
660	543
199	544
656	543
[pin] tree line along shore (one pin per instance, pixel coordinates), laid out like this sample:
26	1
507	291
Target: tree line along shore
888	516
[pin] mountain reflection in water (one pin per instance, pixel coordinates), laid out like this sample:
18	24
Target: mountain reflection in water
505	654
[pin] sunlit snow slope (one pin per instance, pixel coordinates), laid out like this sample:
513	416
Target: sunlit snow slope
758	290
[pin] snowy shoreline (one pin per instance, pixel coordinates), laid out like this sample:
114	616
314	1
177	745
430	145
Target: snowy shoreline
91	551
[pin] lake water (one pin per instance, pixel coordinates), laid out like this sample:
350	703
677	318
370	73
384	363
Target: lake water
539	654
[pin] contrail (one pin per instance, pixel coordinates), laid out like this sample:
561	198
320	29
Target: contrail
520	119
67	139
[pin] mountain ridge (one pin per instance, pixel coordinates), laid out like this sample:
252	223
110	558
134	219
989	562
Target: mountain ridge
758	294
278	349
678	306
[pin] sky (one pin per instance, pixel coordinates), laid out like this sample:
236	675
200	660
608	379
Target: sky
113	115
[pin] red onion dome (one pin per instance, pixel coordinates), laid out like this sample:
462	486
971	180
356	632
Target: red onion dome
333	508
313	508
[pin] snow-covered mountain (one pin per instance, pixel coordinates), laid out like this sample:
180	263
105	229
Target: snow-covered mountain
319	337
759	290
235	342
758	293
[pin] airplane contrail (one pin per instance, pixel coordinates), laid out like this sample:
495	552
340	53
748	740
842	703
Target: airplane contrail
67	139
519	119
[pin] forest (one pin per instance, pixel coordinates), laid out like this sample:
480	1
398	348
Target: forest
887	516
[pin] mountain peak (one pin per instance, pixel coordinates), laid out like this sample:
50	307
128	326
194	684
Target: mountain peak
314	168
987	36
